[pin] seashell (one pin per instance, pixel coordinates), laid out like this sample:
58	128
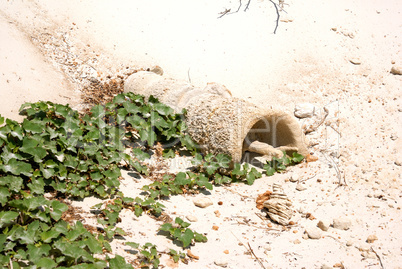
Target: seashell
279	206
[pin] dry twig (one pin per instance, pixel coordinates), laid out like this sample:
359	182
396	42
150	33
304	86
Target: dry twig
250	250
378	256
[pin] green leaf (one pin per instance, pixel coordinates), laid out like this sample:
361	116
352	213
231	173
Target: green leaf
49	235
37	186
163	109
12	182
269	170
199	237
18	167
250	179
7	217
35	253
34	127
58	209
186	237
297	158
46	263
181	179
1	120
223	160
118	262
132	244
4	194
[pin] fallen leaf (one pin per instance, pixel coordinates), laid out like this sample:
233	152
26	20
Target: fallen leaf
262	198
191	255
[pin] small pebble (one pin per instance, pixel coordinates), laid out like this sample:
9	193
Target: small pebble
203	202
349	243
324	224
296	242
304	110
191	218
221	262
300	187
342	223
294	177
371	238
396	70
369	255
313	232
325	266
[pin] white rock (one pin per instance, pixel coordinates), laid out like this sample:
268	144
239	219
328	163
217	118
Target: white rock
324	224
342	223
369	255
396	70
191	218
304	110
364	247
221	262
294	177
349	243
313	232
325	266
300	187
202	202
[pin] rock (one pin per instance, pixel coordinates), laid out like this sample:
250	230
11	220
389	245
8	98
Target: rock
364	247
313	232
371	238
221	262
349	243
157	70
296	242
325	266
203	202
294	177
304	110
191	218
396	70
324	224
355	61
369	255
300	187
342	223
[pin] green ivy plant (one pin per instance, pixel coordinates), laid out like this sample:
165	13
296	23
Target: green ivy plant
180	232
149	253
56	153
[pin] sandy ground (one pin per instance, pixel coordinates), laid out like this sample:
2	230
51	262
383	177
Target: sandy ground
336	55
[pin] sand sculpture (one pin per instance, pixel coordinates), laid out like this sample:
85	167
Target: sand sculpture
221	123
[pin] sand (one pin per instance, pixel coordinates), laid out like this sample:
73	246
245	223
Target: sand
336	55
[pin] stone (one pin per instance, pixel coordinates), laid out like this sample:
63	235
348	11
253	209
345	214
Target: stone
342	223
364	247
191	218
371	238
326	266
324	224
221	262
396	70
294	177
304	110
369	255
297	241
300	187
349	243
313	232
203	202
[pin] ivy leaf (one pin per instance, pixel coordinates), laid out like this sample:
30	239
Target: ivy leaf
18	167
223	160
1	120
58	209
250	179
4	194
186	237
163	109
118	262
269	170
33	127
199	237
7	217
46	263
12	182
181	179
297	158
